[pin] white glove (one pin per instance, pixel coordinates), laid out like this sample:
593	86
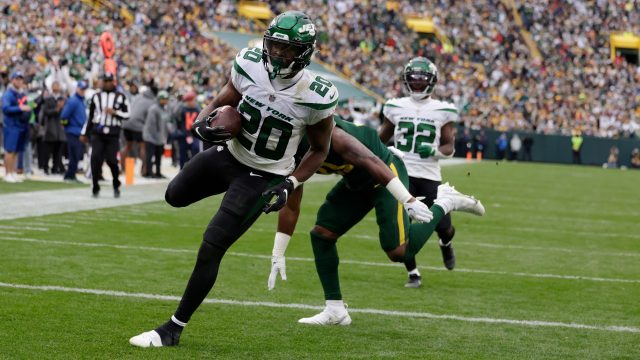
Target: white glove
418	211
278	265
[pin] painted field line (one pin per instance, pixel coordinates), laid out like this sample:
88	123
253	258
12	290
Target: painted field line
12	227
342	261
406	314
490	245
564	231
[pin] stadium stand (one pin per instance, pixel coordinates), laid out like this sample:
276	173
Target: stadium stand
490	71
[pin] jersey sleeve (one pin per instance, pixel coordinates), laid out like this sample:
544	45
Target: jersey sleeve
244	64
389	110
449	113
321	100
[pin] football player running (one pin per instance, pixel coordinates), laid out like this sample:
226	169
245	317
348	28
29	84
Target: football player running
423	129
280	101
373	178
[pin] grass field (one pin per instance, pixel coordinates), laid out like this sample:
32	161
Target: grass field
552	271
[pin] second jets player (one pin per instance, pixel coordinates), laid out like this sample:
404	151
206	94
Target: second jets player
423	129
280	102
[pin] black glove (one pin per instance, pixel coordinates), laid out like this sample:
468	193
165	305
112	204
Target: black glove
214	135
281	192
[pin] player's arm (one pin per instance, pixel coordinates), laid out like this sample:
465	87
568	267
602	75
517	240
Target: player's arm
447	140
446	148
355	153
201	129
287	220
319	137
385	131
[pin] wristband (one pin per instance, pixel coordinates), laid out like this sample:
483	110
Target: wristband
439	156
280	244
295	181
398	190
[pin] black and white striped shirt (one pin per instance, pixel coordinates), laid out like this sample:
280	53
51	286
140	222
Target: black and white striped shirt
99	121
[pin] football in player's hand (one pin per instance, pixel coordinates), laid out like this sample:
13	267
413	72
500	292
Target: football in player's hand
227	117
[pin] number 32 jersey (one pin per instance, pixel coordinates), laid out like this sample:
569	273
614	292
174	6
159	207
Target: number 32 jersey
274	121
419	123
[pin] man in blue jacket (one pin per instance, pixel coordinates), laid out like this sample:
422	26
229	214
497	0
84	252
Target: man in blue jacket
73	117
16	121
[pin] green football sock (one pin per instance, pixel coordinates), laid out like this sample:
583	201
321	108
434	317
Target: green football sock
419	233
326	258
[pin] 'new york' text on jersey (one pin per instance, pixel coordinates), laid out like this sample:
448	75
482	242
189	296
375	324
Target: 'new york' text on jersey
274	121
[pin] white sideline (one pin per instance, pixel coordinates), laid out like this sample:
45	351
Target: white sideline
425	315
342	261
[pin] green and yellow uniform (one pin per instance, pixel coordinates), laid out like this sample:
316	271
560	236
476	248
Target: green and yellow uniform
357	193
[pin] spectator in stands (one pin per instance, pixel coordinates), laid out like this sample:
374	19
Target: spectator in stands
54	135
184	118
527	145
73	118
155	134
16	121
502	145
133	128
514	146
612	159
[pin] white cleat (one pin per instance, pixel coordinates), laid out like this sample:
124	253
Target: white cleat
328	316
452	200
146	339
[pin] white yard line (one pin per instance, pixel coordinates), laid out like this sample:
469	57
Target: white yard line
30	228
406	314
343	261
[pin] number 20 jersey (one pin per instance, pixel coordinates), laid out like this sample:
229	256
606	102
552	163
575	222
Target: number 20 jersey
274	121
417	123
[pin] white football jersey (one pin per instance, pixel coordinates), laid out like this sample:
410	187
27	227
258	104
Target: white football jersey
274	121
417	123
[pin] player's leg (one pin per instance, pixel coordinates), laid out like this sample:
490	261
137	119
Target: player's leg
205	175
112	145
97	158
240	207
341	210
429	190
448	200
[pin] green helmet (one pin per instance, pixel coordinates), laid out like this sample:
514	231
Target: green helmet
288	44
420	76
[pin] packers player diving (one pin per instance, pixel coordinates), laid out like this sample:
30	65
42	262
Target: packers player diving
372	178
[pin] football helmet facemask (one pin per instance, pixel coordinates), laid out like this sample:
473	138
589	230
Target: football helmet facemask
288	44
420	76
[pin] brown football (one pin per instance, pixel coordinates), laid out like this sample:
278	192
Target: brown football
228	117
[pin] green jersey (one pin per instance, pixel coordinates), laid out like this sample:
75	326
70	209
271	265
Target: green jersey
356	178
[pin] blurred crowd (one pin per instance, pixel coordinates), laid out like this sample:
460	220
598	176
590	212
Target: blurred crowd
487	70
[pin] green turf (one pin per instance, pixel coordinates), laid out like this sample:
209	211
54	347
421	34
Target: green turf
541	219
32	185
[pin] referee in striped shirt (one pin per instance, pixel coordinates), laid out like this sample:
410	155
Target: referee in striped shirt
107	110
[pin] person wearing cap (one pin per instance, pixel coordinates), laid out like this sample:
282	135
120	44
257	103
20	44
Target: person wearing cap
155	134
16	121
73	118
185	116
108	109
132	129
